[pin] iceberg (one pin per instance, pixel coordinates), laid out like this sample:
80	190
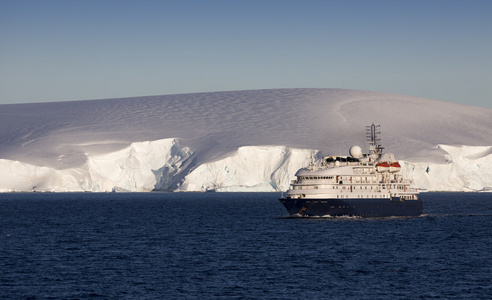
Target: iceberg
235	141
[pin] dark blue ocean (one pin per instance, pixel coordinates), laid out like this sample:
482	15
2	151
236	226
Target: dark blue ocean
238	245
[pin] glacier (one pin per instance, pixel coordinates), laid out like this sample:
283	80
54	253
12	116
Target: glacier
235	141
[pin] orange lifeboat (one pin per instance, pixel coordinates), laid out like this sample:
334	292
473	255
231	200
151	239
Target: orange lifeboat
394	167
383	167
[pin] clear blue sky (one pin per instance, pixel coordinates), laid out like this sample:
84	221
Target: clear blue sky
76	50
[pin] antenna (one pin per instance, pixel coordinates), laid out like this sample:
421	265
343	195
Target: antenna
372	137
372	133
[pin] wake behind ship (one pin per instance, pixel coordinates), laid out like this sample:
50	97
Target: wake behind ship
362	185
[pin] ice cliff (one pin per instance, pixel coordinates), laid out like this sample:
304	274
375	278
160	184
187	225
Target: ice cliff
235	141
139	167
466	169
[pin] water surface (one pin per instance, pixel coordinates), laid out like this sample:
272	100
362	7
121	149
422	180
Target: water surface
238	245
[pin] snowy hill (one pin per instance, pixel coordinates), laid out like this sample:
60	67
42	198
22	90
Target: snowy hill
235	141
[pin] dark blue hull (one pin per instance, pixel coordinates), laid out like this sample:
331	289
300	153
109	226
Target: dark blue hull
367	208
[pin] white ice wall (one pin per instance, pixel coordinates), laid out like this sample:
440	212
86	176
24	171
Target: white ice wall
255	168
20	177
466	169
136	168
165	164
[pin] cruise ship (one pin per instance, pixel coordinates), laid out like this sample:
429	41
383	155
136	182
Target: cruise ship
360	185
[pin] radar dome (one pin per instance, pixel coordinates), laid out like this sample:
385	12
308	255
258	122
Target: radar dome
355	152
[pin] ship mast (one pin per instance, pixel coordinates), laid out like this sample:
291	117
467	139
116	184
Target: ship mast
372	137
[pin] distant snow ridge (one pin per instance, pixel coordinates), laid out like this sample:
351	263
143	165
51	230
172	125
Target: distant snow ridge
235	141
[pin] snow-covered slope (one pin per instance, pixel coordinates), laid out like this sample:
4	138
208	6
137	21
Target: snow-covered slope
231	141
